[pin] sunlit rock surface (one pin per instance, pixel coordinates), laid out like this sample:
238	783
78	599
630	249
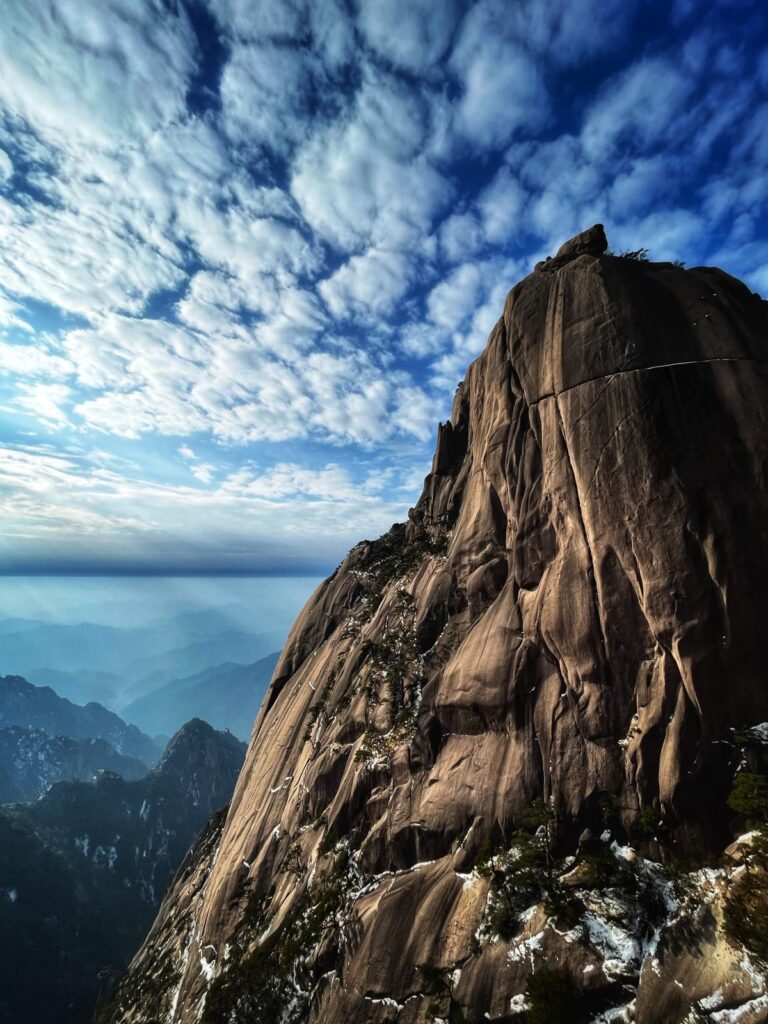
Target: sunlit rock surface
575	611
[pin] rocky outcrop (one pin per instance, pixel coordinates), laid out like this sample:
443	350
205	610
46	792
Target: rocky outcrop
573	614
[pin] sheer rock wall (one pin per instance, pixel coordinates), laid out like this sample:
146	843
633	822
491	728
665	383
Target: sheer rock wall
575	609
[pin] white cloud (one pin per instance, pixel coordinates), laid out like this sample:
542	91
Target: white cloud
265	92
758	278
503	89
639	106
502	52
204	472
671	234
32	360
102	71
368	285
642	184
323	27
45	402
271	19
413	34
6	167
58	255
493	218
298	322
451	301
251	247
289	479
500	205
461	236
460	312
266	383
365	178
186	452
57	504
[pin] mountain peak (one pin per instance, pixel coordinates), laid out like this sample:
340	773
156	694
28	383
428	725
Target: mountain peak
565	634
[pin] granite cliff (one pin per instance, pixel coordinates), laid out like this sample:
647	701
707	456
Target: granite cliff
500	740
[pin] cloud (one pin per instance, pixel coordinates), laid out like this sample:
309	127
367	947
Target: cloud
101	71
500	205
365	178
204	472
493	218
642	184
501	54
412	34
456	297
271	19
298	322
322	27
639	106
460	312
331	483
266	383
6	167
368	285
57	255
45	402
503	88
32	360
265	93
70	508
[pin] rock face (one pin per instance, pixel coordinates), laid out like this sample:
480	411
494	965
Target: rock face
574	612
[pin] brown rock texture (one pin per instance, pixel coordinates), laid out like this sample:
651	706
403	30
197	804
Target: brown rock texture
575	611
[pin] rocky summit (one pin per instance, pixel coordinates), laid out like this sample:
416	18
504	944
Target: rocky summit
494	774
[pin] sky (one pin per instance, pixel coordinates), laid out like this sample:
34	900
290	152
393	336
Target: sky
249	247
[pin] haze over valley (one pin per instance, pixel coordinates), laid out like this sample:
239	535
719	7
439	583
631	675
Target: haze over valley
151	646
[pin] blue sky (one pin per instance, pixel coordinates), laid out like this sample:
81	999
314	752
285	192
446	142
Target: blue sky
248	247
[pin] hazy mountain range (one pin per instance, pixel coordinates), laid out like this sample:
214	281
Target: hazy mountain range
38	707
200	663
31	760
229	695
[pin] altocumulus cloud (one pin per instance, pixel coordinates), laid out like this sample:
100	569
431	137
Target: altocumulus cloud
249	248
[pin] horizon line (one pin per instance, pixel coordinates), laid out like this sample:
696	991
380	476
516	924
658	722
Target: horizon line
161	574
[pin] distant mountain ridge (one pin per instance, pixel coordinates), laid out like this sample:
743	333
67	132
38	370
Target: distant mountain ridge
80	686
88	661
39	707
31	760
234	647
228	696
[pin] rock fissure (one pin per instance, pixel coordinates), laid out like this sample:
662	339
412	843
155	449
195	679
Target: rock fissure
646	369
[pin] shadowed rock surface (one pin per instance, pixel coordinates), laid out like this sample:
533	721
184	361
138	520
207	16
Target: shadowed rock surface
575	612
